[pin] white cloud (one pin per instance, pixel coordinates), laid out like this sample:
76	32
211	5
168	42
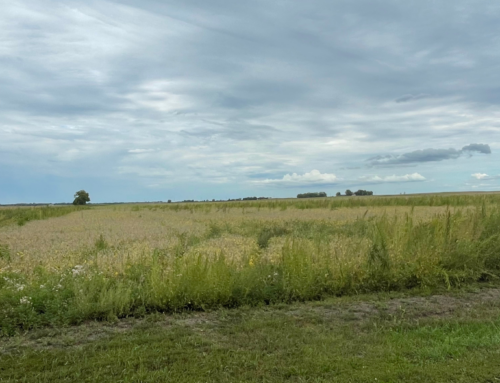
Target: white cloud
484	176
158	95
480	176
315	177
415	177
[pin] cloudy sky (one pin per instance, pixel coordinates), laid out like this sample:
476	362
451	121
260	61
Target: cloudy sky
158	99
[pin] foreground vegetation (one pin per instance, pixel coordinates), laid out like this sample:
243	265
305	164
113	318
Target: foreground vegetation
114	262
376	338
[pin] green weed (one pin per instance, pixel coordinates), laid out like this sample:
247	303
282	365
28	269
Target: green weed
4	252
100	243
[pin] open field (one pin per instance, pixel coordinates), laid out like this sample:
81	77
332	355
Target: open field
209	288
119	261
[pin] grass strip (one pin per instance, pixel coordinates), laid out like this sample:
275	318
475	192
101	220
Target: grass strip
298	343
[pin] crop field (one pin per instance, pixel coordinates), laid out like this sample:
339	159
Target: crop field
109	262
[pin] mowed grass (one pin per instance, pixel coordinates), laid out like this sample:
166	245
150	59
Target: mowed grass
336	340
116	262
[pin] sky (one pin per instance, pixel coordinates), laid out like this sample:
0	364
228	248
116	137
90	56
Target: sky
157	99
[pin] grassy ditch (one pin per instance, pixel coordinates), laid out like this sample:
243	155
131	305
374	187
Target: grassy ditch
376	338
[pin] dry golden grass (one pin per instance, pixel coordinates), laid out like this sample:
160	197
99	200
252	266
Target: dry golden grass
132	235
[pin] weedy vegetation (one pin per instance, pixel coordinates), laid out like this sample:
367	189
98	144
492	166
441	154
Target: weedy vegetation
22	215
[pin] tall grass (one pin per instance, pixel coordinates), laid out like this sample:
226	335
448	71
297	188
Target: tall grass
22	215
316	259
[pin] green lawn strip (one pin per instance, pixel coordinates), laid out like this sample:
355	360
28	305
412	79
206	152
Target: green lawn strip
294	343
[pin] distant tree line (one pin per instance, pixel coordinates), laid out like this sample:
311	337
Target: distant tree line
225	200
360	192
311	195
245	199
363	192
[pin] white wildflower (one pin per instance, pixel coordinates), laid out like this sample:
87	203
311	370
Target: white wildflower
25	300
77	270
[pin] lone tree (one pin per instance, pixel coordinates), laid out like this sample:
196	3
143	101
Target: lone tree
81	198
338	194
348	193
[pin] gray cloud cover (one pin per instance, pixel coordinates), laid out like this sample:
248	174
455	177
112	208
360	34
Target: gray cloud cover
480	148
427	155
195	99
412	97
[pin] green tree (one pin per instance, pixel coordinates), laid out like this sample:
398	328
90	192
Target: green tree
81	198
338	194
311	195
363	192
348	193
